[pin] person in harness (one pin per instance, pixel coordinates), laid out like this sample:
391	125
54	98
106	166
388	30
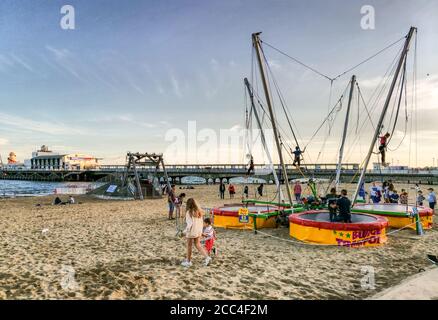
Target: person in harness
382	147
251	166
297	156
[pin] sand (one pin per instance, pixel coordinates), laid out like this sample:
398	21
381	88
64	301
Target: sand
422	286
128	250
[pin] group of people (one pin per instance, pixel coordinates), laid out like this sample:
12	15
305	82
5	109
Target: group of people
232	190
339	206
199	230
389	194
57	201
175	202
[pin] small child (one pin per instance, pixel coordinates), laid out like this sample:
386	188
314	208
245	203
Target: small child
178	204
404	197
394	197
420	198
208	235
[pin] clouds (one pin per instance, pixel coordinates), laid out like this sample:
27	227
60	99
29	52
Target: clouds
3	141
29	125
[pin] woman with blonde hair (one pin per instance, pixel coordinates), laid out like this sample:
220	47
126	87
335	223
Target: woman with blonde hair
193	231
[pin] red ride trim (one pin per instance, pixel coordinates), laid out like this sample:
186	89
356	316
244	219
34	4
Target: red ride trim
380	222
222	211
423	211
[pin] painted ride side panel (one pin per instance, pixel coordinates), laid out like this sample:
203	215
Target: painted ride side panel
355	239
232	222
400	222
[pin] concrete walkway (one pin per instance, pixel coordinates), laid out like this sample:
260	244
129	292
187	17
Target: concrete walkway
422	286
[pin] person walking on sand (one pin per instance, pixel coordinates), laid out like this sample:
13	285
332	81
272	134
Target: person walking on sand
171	197
193	232
222	190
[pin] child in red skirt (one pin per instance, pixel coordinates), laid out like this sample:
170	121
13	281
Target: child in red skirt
208	235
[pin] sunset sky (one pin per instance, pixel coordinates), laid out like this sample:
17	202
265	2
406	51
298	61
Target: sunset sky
132	74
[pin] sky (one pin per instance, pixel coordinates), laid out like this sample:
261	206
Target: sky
136	75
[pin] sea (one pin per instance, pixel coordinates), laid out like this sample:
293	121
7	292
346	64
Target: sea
19	188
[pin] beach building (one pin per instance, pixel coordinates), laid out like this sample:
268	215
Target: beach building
45	159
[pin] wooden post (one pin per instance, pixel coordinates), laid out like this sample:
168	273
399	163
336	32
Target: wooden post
344	135
385	109
257	46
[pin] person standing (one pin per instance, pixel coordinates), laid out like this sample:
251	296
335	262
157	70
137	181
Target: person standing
420	198
404	197
178	204
431	198
246	192
222	190
193	232
344	207
231	190
375	193
171	197
332	198
260	190
297	191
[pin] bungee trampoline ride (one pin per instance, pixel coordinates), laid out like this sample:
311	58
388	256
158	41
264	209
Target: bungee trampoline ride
398	215
315	227
309	222
249	216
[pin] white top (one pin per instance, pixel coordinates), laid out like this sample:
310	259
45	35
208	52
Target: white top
194	226
209	232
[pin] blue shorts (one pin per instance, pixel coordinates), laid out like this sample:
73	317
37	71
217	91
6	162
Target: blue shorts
171	206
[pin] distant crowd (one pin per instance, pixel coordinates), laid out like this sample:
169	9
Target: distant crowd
387	193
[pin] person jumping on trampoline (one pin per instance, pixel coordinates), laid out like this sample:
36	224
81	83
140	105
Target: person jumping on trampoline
332	199
383	146
297	156
251	166
344	207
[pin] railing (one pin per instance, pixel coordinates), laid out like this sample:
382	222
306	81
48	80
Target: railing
349	168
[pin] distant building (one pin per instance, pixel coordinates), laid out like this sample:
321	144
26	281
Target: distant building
12	159
44	159
377	167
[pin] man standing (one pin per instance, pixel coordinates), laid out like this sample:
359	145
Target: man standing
344	206
332	199
431	198
260	190
171	197
222	190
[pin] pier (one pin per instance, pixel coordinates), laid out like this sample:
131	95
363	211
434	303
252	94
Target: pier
213	173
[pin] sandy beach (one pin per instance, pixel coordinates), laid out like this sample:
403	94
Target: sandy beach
128	250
